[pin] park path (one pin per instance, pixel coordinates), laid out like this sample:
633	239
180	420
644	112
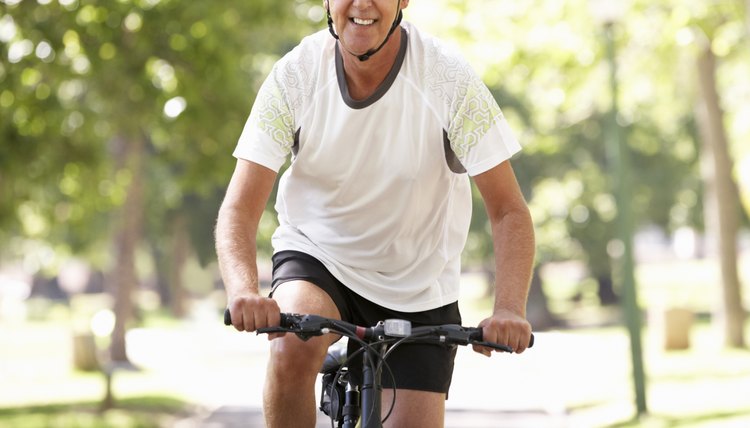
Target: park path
248	417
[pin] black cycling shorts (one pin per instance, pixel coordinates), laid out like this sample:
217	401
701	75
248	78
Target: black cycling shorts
423	367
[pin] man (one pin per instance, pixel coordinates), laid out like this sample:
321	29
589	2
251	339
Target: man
384	126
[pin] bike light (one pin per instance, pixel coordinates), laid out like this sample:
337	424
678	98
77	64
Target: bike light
397	328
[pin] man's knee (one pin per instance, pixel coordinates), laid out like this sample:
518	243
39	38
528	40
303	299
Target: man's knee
297	360
414	408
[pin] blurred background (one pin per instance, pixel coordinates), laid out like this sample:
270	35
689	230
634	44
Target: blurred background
117	124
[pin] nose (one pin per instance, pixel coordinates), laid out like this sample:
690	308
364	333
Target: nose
362	4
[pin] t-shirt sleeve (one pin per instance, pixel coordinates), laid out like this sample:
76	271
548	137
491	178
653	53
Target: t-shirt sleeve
479	133
268	135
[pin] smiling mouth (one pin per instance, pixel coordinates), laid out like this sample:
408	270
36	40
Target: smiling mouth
359	21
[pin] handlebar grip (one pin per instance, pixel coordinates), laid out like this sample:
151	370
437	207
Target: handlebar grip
286	319
480	337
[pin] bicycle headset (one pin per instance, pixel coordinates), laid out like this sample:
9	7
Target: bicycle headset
365	56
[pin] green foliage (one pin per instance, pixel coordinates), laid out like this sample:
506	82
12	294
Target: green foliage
83	78
79	79
546	63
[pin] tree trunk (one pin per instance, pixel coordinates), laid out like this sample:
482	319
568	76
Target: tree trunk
606	290
178	258
722	205
169	260
161	276
537	311
127	234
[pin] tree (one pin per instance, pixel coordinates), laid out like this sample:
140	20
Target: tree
100	98
541	55
723	204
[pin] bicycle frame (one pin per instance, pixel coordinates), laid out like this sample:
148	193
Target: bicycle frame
370	395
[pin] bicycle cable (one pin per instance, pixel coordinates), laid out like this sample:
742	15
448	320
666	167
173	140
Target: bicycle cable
382	364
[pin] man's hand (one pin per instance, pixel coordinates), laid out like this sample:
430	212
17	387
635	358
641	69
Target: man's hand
251	312
506	328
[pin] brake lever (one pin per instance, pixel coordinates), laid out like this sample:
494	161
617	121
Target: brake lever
304	335
495	346
271	330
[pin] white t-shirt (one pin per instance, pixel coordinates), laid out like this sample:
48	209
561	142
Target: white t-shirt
378	190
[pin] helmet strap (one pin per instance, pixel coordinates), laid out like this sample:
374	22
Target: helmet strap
365	56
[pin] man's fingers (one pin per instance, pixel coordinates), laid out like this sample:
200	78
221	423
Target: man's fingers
514	333
487	352
521	344
254	312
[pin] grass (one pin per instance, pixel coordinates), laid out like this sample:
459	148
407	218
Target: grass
41	388
727	419
704	386
701	388
144	412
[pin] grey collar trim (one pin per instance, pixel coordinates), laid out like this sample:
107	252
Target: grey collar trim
382	89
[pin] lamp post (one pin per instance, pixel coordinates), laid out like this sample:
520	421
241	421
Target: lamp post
608	12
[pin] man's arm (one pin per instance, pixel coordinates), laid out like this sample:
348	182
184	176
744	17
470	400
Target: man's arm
514	249
236	230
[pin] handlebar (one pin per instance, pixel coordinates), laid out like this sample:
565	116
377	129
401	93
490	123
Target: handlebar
306	326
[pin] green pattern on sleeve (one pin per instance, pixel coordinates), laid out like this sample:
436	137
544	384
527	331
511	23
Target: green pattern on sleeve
476	113
272	116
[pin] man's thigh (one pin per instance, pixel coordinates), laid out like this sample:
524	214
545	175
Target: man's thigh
414	408
304	297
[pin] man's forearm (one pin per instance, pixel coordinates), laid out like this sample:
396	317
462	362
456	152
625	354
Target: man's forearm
514	247
236	251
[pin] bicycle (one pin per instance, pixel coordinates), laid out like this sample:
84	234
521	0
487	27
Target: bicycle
343	401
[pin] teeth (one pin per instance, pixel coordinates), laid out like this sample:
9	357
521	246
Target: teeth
363	21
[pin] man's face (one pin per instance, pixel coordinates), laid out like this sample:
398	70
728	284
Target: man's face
363	24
